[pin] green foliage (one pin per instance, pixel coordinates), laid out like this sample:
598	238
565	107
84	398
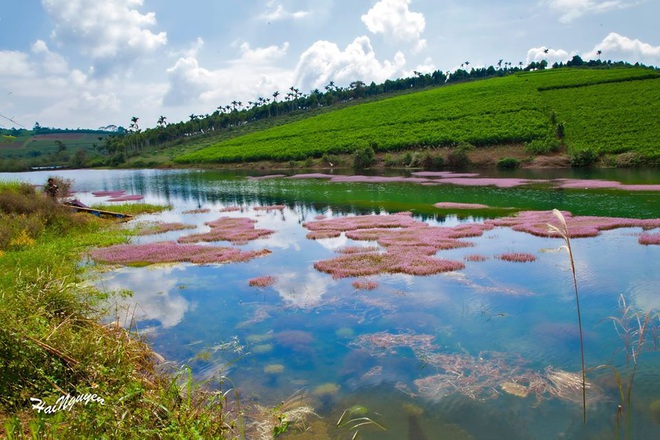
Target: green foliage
508	163
583	158
482	113
458	157
543	146
591	108
364	158
52	341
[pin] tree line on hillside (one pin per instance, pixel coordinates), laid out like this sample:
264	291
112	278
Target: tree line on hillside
123	143
133	140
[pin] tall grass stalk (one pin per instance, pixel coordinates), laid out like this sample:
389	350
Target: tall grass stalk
562	230
633	328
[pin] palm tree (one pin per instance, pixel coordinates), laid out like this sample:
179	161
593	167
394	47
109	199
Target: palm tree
161	121
599	53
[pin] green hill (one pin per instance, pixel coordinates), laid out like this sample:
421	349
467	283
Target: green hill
590	112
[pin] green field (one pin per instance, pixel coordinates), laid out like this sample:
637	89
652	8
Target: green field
608	111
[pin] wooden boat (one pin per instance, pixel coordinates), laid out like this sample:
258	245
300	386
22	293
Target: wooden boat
97	212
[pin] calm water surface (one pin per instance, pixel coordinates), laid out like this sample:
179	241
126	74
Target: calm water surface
425	356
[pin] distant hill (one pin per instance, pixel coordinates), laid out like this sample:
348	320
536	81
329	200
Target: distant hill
607	114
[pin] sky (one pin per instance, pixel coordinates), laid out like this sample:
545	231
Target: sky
94	63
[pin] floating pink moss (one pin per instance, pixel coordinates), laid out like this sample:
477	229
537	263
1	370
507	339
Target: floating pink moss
648	239
318	235
116	193
197	211
320	217
171	252
536	223
365	284
475	258
361	222
358	249
162	228
453	205
230	209
126	198
270	208
263	281
590	184
517	257
237	230
355	265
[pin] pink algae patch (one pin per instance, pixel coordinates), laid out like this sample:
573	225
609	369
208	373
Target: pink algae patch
318	235
452	205
588	184
410	245
237	230
647	239
170	252
536	223
117	193
230	209
126	198
475	258
263	281
517	257
358	249
354	265
161	228
197	211
361	222
365	284
270	208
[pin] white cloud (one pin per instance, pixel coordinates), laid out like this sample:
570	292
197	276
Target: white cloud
552	56
573	9
393	18
52	63
324	62
262	54
619	48
14	63
104	29
253	73
277	12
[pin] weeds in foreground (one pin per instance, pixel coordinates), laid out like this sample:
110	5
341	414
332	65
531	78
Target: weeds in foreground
637	330
53	344
562	231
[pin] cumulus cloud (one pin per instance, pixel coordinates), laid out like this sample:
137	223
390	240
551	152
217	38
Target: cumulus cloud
277	12
262	54
324	62
393	18
245	77
104	29
620	48
552	56
53	63
14	63
573	9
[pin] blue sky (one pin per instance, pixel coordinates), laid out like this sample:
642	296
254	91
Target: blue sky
92	63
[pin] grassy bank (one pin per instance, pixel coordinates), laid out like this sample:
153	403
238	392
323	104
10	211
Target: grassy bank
53	342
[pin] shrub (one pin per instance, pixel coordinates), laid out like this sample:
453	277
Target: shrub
583	158
542	146
508	163
390	161
364	158
458	158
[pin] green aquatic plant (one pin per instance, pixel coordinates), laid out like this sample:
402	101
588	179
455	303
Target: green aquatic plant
354	418
636	330
562	230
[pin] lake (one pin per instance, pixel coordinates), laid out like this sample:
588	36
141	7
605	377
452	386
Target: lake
487	351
